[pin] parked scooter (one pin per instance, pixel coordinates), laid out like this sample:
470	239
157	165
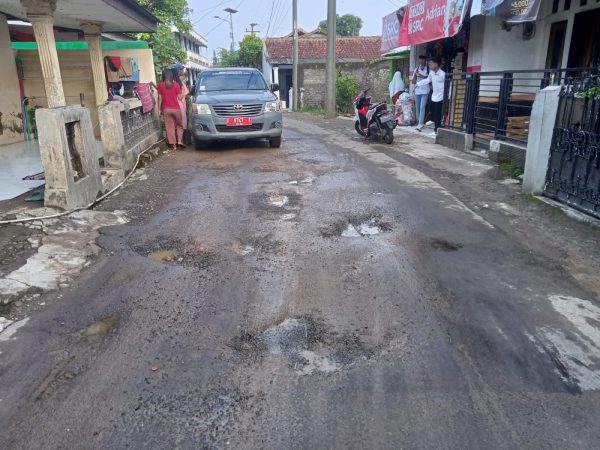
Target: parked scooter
373	120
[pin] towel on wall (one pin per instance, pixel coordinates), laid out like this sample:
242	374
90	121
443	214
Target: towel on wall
126	69
144	93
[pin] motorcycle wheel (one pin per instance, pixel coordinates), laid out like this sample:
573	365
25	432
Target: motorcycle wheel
388	136
358	129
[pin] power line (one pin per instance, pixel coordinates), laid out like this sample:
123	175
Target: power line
271	16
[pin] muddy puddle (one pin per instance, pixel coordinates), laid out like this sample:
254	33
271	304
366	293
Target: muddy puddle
274	201
96	331
305	344
165	250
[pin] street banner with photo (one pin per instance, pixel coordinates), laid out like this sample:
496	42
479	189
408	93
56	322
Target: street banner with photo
430	20
390	33
512	11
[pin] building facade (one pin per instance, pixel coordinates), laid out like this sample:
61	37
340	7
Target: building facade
195	45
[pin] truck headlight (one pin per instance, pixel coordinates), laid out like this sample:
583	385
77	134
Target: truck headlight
272	106
201	108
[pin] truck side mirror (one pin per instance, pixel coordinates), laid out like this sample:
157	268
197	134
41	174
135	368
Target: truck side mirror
274	87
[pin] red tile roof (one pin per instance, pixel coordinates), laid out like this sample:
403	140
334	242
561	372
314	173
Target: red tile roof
360	48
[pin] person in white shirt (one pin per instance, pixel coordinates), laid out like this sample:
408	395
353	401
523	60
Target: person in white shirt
437	78
421	92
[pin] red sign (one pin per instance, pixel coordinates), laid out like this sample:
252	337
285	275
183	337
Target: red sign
390	33
429	20
239	121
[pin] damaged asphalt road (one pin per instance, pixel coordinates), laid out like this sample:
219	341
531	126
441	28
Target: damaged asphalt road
327	294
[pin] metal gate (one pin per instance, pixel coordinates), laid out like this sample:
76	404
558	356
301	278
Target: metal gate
574	167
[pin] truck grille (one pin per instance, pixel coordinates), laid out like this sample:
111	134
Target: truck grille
237	129
244	111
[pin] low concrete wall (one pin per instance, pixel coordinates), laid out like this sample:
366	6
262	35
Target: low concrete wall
505	152
454	139
69	156
541	130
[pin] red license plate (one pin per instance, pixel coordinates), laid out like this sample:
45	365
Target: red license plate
239	121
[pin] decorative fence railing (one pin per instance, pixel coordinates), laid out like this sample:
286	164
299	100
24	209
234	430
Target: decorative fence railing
574	167
497	105
137	125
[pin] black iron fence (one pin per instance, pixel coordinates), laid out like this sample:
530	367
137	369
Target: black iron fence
573	175
497	105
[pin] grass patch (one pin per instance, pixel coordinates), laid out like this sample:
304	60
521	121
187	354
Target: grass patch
514	171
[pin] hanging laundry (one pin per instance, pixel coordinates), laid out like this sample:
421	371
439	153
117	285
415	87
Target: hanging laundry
126	69
144	93
112	74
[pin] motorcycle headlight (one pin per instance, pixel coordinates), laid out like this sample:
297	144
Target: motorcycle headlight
272	106
201	108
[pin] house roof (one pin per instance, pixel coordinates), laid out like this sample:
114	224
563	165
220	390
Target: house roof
351	49
117	16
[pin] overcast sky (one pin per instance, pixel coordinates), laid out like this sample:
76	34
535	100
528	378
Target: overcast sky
275	16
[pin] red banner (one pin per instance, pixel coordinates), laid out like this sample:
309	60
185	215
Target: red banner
429	20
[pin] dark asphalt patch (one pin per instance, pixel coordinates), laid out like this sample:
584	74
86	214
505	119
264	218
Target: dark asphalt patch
168	250
444	245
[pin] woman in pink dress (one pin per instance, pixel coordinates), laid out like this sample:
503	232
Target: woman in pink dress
178	73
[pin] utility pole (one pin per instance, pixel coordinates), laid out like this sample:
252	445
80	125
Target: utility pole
330	112
252	30
231	12
295	91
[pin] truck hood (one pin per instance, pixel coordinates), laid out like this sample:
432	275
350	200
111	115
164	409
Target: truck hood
232	97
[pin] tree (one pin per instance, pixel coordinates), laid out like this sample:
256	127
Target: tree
165	46
346	25
250	54
228	59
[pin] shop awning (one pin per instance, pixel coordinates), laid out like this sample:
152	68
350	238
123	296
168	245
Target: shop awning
430	20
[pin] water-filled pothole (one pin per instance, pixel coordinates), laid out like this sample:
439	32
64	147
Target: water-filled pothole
306	344
444	245
357	226
278	200
166	250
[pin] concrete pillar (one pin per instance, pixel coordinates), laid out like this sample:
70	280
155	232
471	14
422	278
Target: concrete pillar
11	125
92	34
276	80
40	14
113	139
541	130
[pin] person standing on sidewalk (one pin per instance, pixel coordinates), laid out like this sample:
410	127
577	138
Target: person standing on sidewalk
169	95
421	92
437	78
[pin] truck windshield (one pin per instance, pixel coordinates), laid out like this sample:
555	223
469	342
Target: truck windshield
231	80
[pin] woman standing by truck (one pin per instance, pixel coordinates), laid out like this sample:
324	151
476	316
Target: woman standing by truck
169	96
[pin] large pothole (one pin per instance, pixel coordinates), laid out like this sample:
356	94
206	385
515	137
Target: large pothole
306	345
166	250
355	226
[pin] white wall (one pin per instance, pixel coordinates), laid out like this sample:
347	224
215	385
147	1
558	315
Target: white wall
496	49
11	122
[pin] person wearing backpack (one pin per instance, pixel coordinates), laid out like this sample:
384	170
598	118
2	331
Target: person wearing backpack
421	92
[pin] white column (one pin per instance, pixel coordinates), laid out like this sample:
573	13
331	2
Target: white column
276	80
40	14
92	34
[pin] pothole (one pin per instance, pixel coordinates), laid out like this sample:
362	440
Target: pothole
166	250
278	200
444	245
306	345
97	330
357	226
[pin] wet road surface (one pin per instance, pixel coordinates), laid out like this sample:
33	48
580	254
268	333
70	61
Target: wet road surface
321	295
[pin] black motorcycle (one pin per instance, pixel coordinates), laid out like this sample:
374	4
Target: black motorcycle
373	120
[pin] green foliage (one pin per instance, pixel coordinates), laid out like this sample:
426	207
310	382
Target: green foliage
170	12
514	171
250	53
228	59
592	92
346	25
346	88
165	46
